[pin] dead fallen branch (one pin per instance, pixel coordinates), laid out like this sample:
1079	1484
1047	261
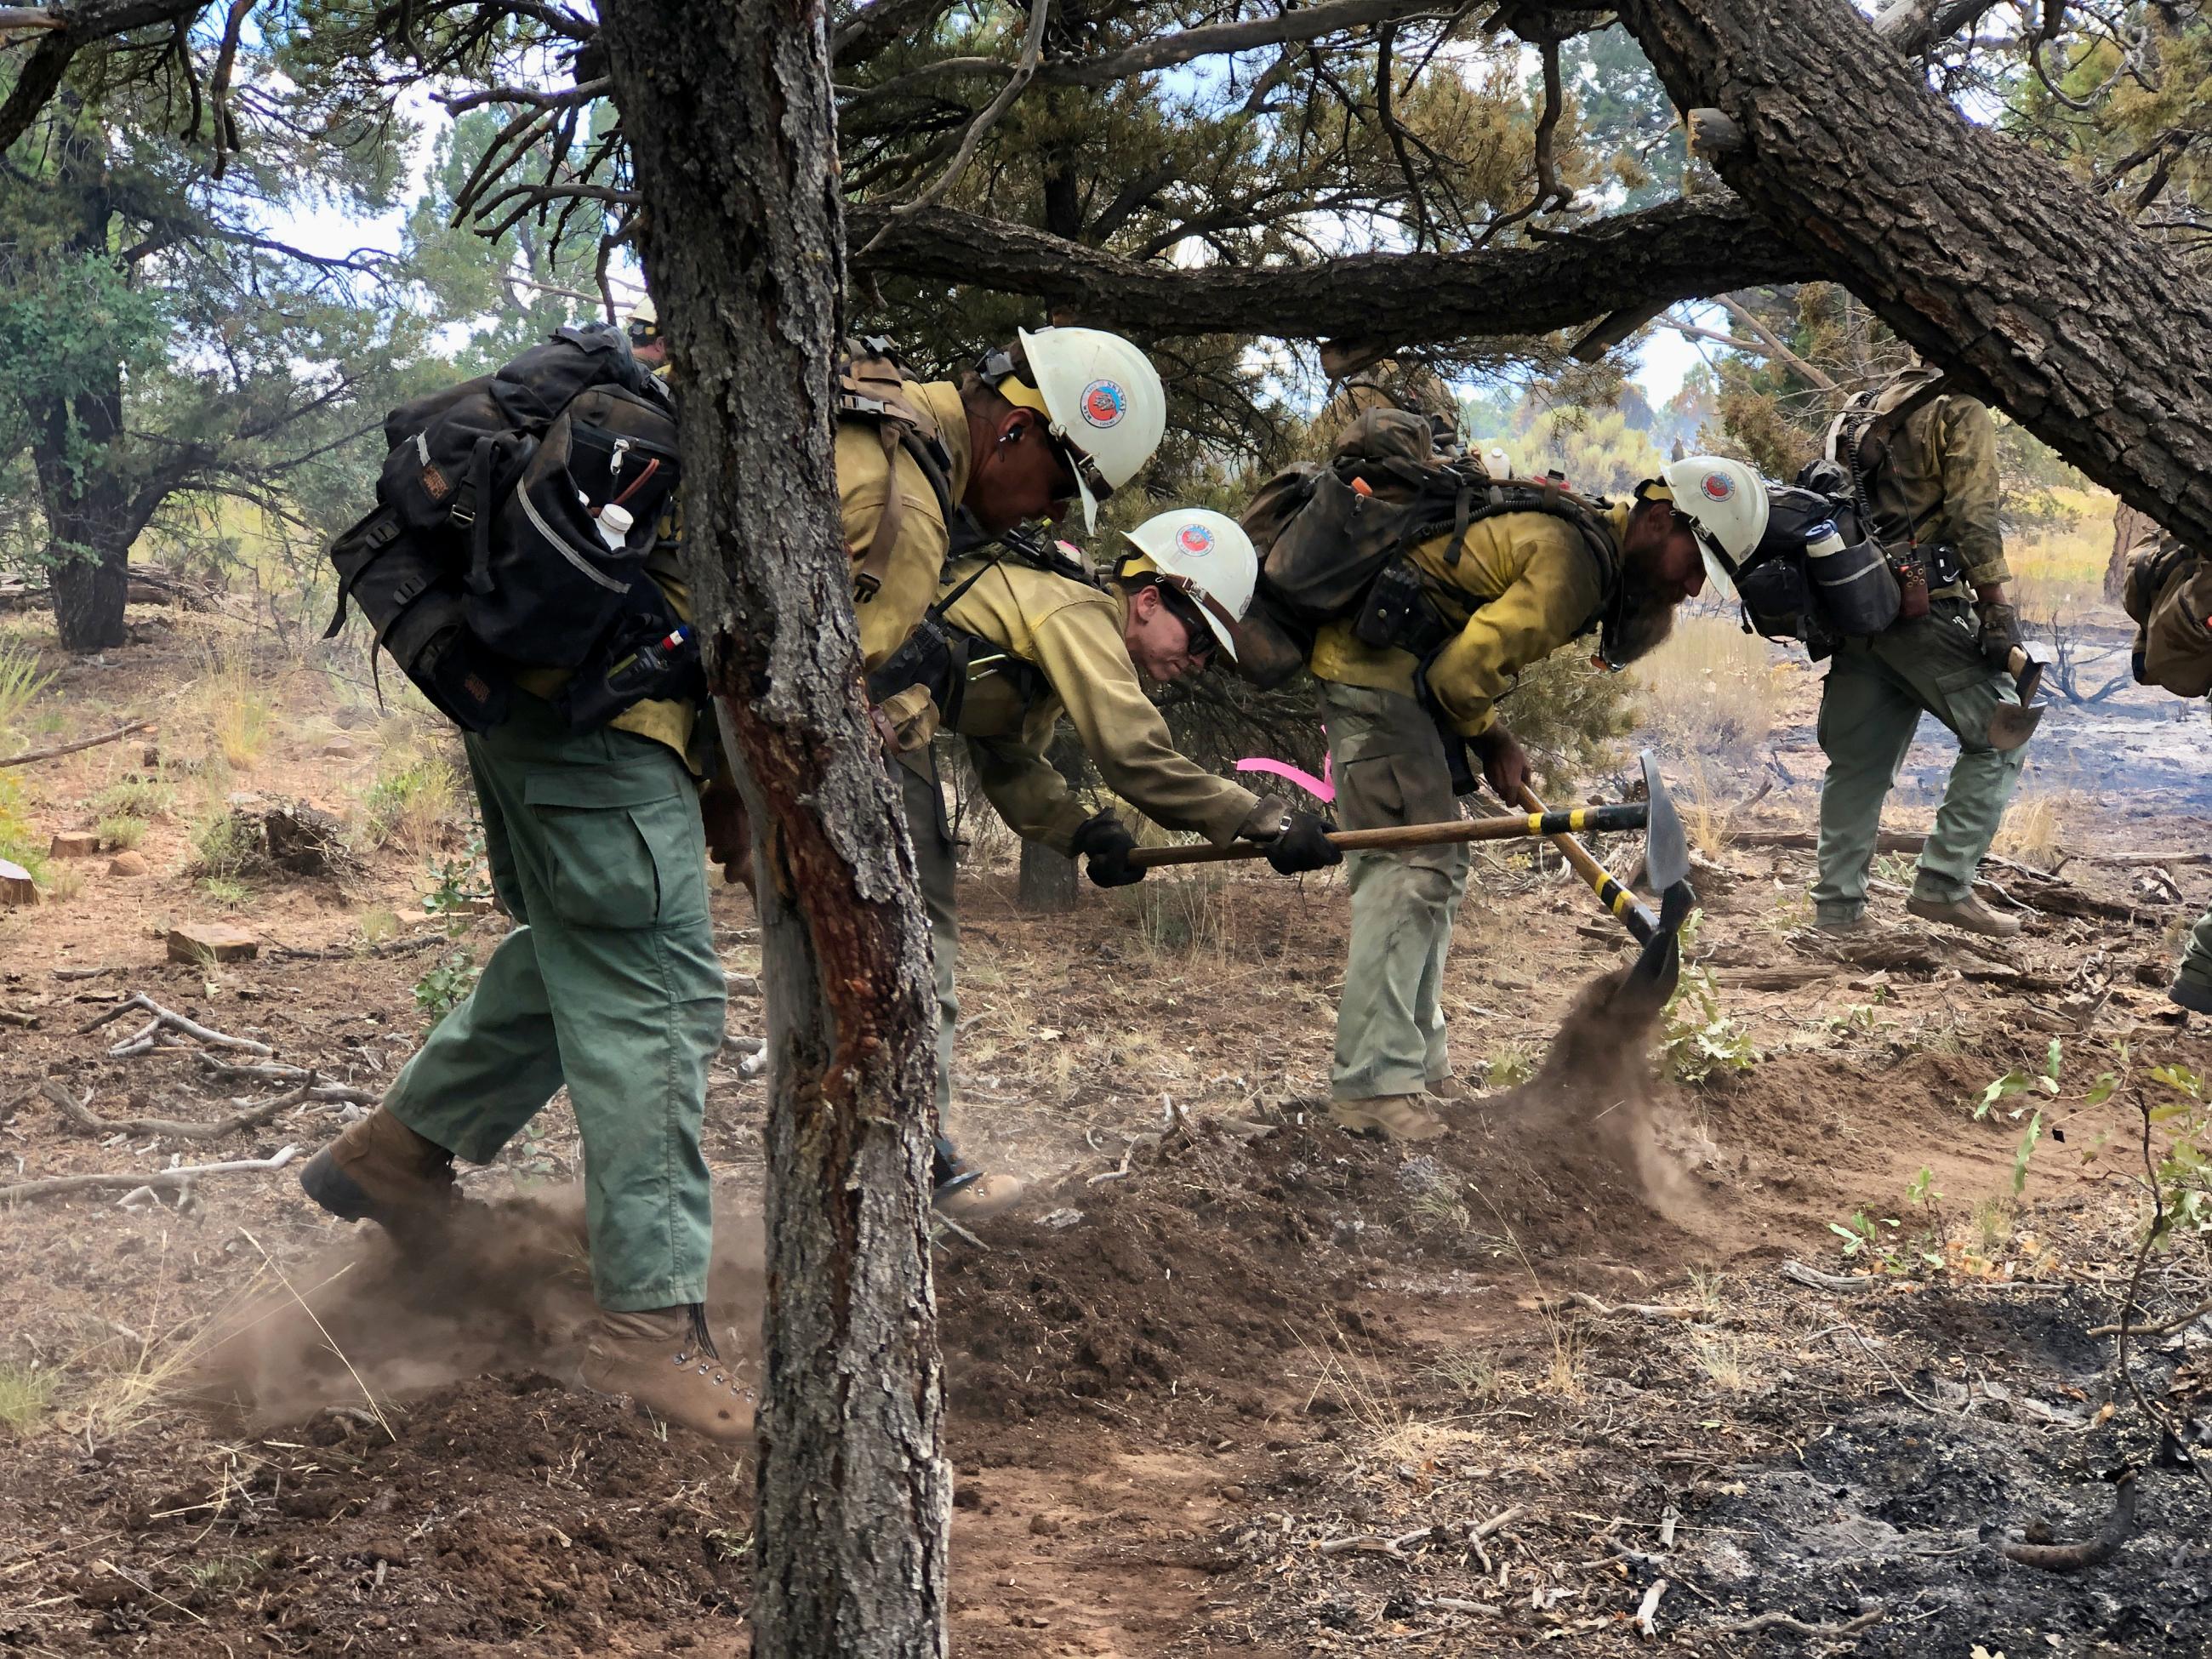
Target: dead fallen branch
9	1017
1804	840
2172	1324
160	1180
80	1114
144	1040
1647	1612
1836	1284
30	755
321	1094
2075	1558
1684	1310
1872	1613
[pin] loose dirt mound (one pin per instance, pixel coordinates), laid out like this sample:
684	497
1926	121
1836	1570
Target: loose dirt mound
506	1511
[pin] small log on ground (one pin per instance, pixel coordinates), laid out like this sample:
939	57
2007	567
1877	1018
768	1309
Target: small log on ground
212	941
2077	1558
30	755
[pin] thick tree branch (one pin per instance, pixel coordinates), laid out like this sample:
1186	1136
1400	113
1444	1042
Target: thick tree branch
82	26
1683	251
1986	256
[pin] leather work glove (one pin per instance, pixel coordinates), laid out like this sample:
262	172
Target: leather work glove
1303	844
1999	635
1106	842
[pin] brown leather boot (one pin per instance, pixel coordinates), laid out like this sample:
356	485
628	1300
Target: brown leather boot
1395	1117
1968	912
381	1170
1448	1087
665	1361
981	1198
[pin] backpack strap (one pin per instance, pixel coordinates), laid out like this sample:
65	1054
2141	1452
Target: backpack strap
871	386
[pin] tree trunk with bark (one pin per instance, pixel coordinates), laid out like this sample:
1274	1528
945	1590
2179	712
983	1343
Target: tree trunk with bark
1982	253
87	512
2130	530
1047	883
726	106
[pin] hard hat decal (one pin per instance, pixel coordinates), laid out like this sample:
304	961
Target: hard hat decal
1194	539
1718	486
1104	402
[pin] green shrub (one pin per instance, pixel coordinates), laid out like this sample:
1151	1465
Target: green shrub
229	845
122	832
135	797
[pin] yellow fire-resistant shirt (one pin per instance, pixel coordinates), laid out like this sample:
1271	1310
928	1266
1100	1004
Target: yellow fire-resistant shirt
1072	632
1524	584
1942	480
917	557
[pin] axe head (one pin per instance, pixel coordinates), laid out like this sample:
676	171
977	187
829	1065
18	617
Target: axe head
2013	725
1666	848
1658	967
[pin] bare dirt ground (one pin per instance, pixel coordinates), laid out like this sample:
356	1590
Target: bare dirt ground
1231	1382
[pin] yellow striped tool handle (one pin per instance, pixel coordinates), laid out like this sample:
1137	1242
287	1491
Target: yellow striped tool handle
1640	920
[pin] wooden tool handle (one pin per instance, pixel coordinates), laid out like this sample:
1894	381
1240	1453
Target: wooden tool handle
1398	837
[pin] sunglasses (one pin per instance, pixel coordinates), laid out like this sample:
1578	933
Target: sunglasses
1185	609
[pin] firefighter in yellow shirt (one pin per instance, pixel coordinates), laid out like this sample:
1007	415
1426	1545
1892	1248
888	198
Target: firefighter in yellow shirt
1515	588
1009	650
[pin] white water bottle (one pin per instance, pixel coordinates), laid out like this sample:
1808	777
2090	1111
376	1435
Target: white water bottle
615	521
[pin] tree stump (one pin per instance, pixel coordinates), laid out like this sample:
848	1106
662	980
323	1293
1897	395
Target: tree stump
16	887
212	941
73	844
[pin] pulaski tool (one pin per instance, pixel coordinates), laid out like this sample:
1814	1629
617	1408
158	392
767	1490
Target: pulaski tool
1399	836
2013	724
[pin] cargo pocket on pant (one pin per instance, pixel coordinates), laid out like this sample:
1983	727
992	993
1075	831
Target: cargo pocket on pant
602	831
1966	698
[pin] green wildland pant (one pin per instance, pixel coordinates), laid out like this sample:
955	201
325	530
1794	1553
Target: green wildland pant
1390	768
2196	954
1870	705
936	861
609	983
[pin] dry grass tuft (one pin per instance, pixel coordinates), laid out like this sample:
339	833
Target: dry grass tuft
2032	827
26	1394
1711	688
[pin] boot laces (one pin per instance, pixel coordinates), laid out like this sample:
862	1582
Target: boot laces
699	1345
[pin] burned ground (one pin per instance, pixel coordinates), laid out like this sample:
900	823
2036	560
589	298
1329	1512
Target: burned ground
1230	1381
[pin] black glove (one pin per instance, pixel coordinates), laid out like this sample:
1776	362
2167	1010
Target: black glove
2000	635
1107	844
1303	844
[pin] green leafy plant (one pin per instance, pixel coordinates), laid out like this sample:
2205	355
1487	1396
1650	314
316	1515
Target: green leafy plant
135	797
462	883
446	987
20	682
122	832
1696	1038
227	894
1513	1065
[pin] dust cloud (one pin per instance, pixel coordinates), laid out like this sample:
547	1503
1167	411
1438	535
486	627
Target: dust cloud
1594	1103
505	1288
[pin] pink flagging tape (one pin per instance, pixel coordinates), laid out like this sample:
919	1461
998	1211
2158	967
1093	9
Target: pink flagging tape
1319	788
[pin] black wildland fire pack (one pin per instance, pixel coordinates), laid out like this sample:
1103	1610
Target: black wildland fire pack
1815	578
1335	541
2169	597
516	515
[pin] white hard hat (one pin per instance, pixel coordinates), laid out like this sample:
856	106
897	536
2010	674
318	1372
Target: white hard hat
1726	500
1105	402
643	321
1207	557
